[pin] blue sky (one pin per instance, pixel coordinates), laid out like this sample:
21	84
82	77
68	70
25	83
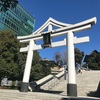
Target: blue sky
67	11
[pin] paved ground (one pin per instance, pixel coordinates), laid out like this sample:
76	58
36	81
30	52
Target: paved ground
86	82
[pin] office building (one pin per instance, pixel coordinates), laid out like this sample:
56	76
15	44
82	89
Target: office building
18	20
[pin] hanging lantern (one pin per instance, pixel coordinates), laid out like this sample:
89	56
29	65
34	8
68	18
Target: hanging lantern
46	40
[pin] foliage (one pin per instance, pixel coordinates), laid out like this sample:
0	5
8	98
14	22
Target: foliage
9	48
40	70
12	62
36	72
6	4
21	64
46	66
36	57
93	60
78	56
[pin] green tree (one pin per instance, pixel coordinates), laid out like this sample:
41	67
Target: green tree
46	66
9	48
78	55
93	60
36	69
21	64
36	57
12	62
6	4
39	68
36	72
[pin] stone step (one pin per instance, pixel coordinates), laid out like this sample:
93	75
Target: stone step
86	82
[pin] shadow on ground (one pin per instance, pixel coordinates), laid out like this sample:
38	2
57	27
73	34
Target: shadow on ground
93	94
50	91
77	98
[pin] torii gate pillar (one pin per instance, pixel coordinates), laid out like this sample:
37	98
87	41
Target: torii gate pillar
25	83
71	86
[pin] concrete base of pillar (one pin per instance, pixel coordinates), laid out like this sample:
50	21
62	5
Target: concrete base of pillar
72	89
24	87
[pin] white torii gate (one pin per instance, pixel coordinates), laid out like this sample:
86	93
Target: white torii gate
70	40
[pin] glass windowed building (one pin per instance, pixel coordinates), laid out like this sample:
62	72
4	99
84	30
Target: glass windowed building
18	20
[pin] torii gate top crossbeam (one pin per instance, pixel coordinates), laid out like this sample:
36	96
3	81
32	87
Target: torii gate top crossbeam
73	27
62	30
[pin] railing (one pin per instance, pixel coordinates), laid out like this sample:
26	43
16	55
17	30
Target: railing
50	81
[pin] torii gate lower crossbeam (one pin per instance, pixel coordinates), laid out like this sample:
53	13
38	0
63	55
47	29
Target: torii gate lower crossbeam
70	41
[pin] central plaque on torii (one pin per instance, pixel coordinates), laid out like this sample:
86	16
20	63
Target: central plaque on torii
46	36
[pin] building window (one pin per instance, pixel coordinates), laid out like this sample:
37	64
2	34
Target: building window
3	19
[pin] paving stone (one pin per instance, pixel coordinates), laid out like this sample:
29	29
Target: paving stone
86	82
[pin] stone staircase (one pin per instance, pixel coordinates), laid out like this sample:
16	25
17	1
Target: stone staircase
86	82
